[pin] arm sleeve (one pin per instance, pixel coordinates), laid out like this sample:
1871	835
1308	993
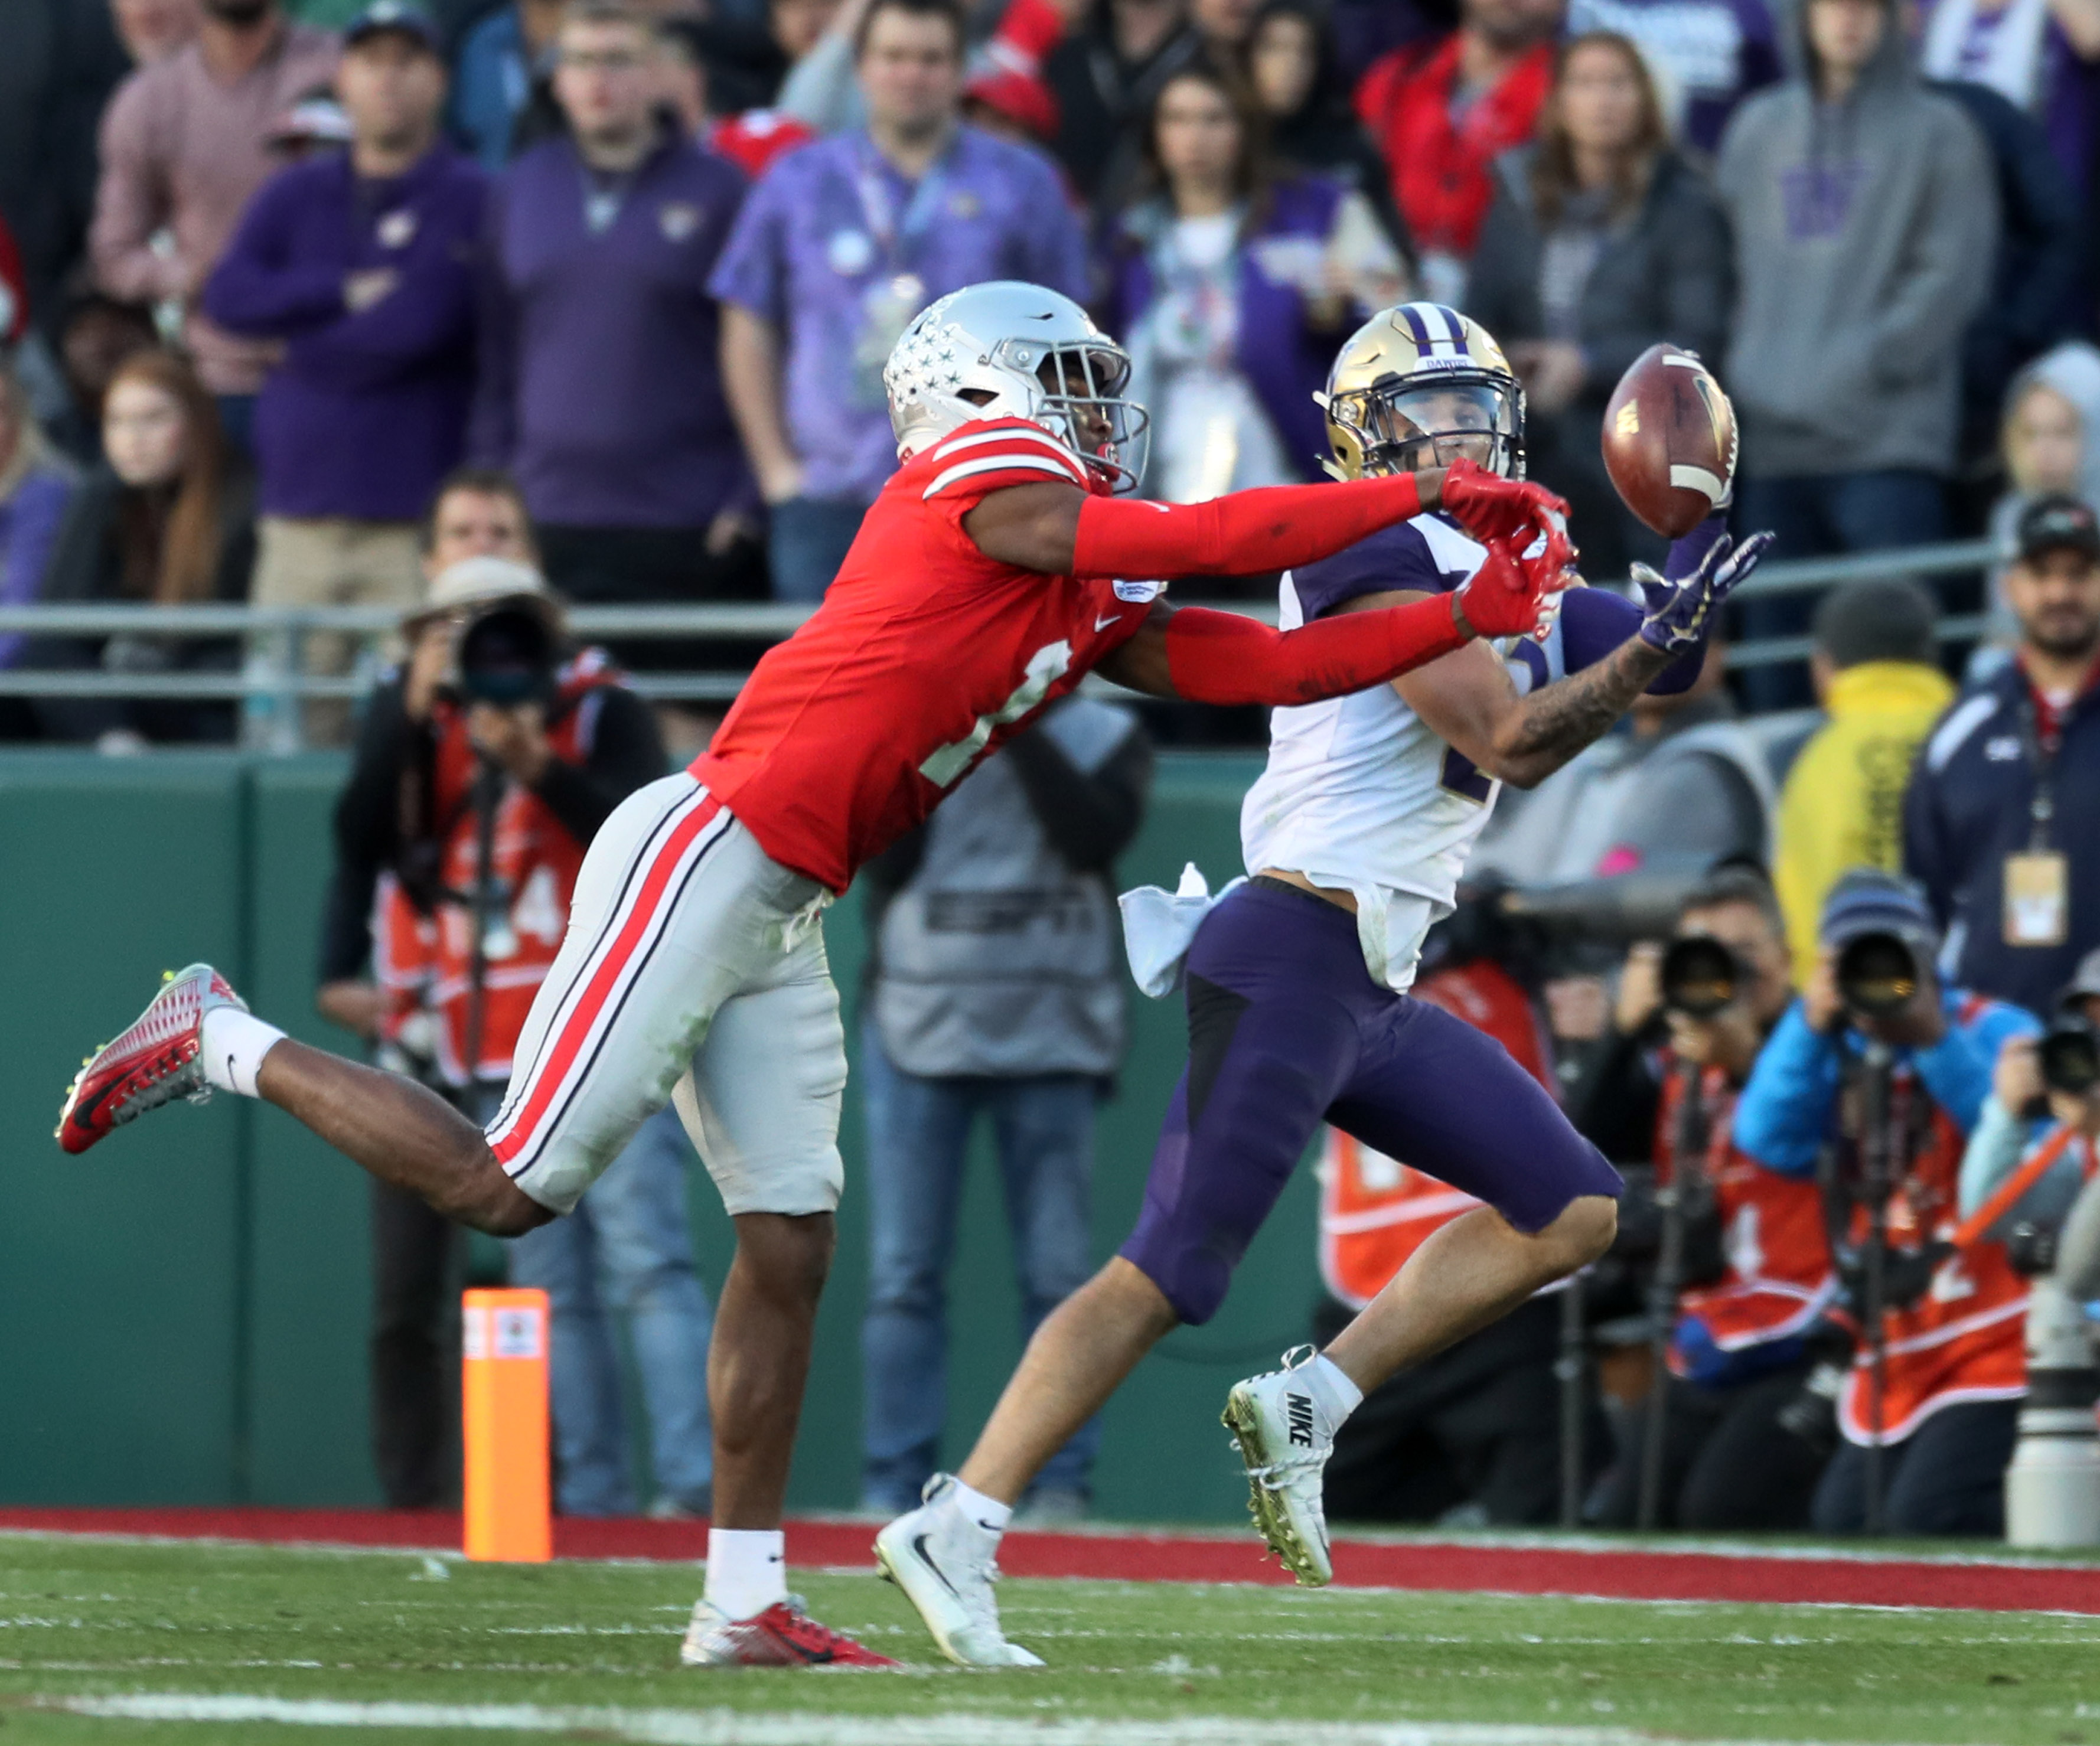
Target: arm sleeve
257	288
1090	816
626	752
1249	533
1220	658
1594	621
1957	1070
1785	1110
131	206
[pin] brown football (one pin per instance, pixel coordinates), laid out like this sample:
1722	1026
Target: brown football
1670	440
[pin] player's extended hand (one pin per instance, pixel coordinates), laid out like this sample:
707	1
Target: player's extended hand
1509	597
1680	614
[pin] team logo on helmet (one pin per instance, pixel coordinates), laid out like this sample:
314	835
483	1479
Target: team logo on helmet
1420	386
1010	349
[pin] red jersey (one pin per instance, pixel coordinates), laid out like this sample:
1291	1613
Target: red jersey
925	656
1779	1277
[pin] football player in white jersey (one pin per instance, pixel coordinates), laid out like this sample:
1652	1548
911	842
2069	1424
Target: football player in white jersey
1296	981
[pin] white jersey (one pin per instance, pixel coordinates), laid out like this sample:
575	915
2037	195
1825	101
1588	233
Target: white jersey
1359	794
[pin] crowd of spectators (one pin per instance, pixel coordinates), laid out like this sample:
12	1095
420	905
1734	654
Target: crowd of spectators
649	255
321	302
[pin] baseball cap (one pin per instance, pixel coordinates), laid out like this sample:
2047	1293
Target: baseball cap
396	16
2056	521
475	581
1867	901
2084	981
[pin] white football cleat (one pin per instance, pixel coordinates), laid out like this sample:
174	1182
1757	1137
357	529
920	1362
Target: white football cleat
782	1636
946	1563
1285	1440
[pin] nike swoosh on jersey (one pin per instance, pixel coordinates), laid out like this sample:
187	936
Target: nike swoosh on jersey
1113	618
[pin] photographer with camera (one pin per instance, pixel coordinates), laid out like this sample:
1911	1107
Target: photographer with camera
1870	1085
1742	1264
2027	1178
482	770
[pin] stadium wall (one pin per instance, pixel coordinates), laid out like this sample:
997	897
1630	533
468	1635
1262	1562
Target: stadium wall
183	1311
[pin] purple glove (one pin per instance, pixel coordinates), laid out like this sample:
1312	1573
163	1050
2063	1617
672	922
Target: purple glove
1680	614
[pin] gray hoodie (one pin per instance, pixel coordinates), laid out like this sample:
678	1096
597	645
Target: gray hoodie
1864	235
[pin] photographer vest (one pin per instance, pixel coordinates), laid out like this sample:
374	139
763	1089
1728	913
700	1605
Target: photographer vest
1374	1210
997	958
1779	1277
425	955
1963	1337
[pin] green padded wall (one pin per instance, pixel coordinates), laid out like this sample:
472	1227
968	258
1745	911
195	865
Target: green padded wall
185	1308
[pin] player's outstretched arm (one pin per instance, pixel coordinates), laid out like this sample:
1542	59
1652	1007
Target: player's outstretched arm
1208	657
1471	704
1060	530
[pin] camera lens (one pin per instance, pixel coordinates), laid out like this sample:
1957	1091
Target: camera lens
507	656
2070	1057
1700	977
1877	974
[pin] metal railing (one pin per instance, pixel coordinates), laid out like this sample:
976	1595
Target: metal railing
272	683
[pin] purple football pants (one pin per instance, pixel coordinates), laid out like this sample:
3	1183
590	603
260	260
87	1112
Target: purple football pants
1286	1029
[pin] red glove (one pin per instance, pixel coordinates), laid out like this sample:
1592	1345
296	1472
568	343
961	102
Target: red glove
1514	511
1509	597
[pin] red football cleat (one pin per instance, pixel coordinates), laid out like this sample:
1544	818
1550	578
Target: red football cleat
782	1636
154	1062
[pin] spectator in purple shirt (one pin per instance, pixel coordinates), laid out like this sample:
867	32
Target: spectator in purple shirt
600	384
361	263
841	244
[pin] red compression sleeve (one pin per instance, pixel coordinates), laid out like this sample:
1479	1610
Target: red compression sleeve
1220	658
1244	534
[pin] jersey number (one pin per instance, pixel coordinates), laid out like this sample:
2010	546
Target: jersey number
1046	667
1460	774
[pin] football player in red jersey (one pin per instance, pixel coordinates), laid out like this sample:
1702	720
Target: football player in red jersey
989	577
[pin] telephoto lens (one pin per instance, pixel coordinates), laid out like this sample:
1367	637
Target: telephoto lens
1699	975
2070	1056
1877	974
507	656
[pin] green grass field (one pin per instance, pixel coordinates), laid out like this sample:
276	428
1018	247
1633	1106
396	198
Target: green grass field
589	1651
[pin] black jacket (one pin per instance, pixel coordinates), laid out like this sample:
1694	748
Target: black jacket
1663	274
1970	806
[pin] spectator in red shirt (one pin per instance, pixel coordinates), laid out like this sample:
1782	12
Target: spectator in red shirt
1442	110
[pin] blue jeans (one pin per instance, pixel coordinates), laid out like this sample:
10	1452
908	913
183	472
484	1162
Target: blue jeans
918	1133
1818	516
807	543
626	1249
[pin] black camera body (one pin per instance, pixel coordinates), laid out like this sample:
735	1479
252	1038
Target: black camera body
506	654
2070	1055
1878	973
1700	976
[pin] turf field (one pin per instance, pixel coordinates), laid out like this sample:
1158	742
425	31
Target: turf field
109	1640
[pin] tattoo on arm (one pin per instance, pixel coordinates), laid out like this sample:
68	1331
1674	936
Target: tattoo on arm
1557	722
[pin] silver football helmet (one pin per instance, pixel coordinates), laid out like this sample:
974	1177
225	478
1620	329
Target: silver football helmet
1010	349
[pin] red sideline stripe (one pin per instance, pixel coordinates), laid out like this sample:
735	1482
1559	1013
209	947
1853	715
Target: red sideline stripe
608	971
1420	1565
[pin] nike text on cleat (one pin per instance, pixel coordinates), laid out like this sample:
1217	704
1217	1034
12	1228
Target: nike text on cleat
946	1564
154	1062
782	1636
1285	1443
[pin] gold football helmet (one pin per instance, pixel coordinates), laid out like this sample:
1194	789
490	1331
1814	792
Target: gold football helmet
1418	386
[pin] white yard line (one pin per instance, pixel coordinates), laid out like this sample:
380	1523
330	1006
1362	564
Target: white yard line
722	1727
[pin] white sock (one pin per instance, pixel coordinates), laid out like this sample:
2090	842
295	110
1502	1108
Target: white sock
988	1512
1331	1385
234	1043
746	1570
